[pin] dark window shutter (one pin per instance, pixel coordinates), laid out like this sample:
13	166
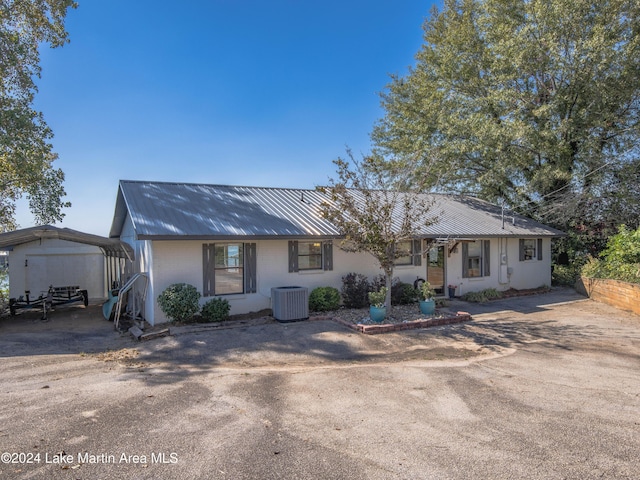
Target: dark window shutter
539	249
465	260
293	256
250	264
327	255
522	250
417	252
208	270
487	257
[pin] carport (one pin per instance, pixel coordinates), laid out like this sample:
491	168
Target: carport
47	255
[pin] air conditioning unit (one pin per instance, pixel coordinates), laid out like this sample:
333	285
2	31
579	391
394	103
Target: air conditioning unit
290	304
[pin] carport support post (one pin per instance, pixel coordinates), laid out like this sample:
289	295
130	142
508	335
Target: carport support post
108	274
113	269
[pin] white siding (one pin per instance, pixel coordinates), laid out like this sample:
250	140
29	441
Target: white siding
529	274
171	262
143	250
181	261
34	266
128	234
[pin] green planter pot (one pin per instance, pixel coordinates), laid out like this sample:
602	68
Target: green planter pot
427	307
377	314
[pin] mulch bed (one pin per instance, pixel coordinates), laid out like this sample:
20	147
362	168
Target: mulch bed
375	328
403	317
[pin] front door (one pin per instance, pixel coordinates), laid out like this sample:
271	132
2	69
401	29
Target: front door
435	268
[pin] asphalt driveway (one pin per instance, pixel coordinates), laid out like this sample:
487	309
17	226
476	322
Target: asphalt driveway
534	387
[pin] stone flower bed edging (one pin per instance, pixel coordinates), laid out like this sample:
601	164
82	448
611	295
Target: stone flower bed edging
373	329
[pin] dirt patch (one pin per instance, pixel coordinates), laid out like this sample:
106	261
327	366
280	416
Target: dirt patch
251	315
438	353
233	319
125	355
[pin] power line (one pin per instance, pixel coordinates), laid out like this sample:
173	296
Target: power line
523	208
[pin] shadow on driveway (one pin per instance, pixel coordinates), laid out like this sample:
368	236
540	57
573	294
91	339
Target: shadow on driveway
516	323
525	305
69	330
503	325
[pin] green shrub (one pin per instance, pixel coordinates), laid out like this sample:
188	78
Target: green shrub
474	297
441	303
620	260
323	299
565	275
179	302
403	294
216	310
593	268
355	288
481	296
377	299
426	291
492	294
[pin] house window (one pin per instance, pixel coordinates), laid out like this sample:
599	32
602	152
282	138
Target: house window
530	249
407	259
229	268
413	250
310	255
475	259
413	256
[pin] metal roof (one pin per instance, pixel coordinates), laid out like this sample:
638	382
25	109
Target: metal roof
109	246
165	211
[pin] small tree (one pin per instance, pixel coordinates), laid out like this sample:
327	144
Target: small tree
375	209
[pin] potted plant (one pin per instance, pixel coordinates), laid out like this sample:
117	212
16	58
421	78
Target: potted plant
427	300
377	310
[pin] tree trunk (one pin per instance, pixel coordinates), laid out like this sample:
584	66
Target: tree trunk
388	277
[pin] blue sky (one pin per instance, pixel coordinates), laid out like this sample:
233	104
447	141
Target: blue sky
261	93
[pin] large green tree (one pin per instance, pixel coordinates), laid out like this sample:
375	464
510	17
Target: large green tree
26	154
532	101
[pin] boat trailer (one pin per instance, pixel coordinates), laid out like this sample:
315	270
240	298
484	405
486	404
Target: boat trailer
47	300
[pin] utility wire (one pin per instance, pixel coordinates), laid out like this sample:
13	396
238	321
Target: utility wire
523	208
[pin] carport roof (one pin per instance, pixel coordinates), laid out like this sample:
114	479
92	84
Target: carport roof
172	211
109	246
